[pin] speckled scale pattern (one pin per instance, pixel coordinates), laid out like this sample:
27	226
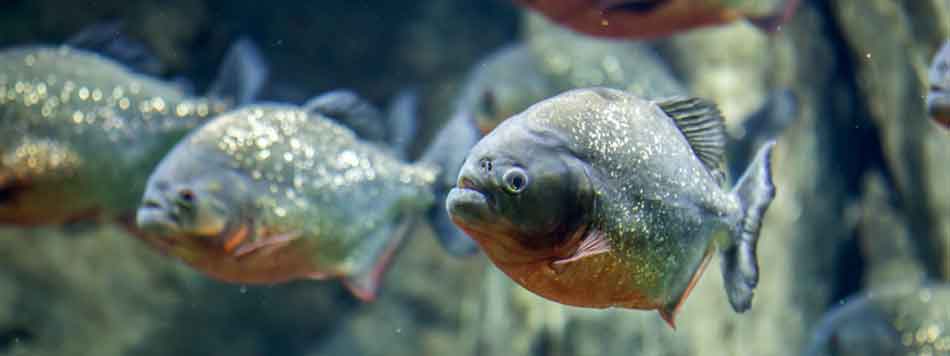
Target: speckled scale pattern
87	114
656	202
314	176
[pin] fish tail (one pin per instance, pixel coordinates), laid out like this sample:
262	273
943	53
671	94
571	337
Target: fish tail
243	73
755	191
403	121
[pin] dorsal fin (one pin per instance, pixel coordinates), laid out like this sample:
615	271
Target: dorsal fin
350	109
112	41
702	124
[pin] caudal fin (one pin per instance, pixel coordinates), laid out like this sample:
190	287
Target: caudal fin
740	270
242	74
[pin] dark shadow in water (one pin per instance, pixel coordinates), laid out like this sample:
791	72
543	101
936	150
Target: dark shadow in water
10	336
853	142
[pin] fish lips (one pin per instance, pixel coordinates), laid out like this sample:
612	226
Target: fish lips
468	207
153	218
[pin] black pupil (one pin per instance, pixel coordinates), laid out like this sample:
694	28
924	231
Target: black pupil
187	195
517	182
486	165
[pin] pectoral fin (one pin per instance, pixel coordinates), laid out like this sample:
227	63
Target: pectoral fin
593	244
265	245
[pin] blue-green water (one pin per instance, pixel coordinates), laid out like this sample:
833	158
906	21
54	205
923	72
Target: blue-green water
862	207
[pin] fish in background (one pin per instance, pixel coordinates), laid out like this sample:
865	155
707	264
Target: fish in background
84	131
647	19
269	193
891	322
599	198
938	97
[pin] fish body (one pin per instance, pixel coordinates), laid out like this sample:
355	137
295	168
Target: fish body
551	60
644	19
892	322
82	133
570	60
599	198
938	98
269	193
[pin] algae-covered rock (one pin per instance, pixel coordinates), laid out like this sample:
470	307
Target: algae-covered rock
892	72
93	293
428	306
884	238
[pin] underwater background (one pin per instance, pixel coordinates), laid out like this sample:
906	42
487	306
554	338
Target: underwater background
862	205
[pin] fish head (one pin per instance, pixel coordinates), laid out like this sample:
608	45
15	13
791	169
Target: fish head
190	196
938	97
520	194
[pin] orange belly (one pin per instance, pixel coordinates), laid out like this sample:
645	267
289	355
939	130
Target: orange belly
600	281
290	262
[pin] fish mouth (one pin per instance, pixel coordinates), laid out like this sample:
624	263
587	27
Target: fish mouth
152	217
467	205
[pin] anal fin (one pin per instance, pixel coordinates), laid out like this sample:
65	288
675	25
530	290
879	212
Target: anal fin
668	312
382	245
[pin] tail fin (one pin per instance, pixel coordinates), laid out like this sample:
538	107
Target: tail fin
242	74
740	270
403	121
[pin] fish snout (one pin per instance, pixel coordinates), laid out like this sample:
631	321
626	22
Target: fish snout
156	214
467	203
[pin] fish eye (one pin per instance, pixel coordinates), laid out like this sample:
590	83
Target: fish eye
186	196
516	180
489	104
